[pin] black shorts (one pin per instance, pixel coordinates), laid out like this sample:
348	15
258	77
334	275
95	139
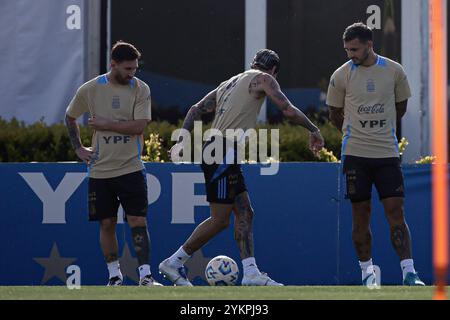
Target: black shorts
224	181
361	173
129	190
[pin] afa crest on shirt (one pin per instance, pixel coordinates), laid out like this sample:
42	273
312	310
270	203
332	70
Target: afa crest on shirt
115	102
370	85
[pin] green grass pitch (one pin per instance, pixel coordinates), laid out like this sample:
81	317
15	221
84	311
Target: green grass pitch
217	293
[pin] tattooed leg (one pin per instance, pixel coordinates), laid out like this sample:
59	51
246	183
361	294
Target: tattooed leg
243	225
400	234
108	239
361	233
141	238
401	240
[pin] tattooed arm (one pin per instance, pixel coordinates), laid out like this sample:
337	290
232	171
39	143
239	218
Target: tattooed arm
337	117
82	152
272	89
206	105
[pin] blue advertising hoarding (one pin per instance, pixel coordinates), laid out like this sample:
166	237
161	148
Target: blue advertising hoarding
302	224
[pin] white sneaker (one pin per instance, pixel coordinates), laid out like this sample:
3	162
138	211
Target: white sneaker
371	281
259	279
174	274
148	281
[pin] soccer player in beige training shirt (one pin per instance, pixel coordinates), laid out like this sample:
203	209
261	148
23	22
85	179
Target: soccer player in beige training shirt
367	96
236	104
119	107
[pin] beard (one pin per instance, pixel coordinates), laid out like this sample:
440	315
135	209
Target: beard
358	62
122	80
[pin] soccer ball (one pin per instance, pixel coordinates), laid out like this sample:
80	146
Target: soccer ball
222	271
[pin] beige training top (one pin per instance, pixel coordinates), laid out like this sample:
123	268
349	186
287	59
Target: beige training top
368	96
236	108
115	154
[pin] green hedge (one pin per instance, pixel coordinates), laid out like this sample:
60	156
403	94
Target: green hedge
41	143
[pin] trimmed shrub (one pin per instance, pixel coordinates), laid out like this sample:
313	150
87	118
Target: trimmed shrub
41	143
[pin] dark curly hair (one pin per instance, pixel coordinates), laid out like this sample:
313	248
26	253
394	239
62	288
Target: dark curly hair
358	31
265	60
123	51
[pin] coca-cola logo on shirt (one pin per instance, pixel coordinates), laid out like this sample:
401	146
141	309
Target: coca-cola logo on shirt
375	109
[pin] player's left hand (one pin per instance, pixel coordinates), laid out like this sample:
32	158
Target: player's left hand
316	142
98	123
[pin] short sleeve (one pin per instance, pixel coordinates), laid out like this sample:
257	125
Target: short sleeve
336	90
402	90
143	107
79	104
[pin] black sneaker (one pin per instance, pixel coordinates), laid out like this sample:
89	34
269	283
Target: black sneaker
114	281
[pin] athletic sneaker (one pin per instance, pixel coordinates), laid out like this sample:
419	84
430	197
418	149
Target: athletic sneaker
370	281
259	279
114	281
174	274
148	281
412	279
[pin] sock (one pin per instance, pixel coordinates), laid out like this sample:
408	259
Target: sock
114	269
141	243
366	268
250	267
144	270
407	265
179	257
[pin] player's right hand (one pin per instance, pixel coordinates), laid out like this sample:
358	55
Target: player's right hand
84	154
316	142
